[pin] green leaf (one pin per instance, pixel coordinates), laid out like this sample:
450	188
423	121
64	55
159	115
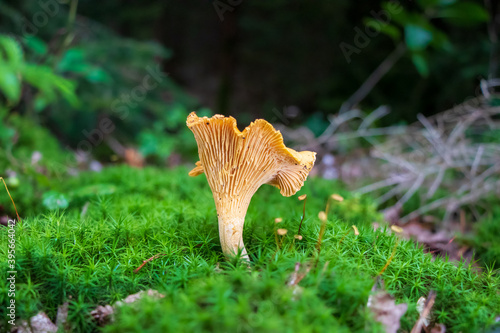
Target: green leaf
97	75
40	103
72	61
317	123
421	64
49	83
385	28
464	13
151	143
53	200
67	89
38	46
10	85
11	51
417	37
176	117
440	40
6	133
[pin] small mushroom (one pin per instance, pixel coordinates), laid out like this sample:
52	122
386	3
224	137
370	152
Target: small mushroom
237	163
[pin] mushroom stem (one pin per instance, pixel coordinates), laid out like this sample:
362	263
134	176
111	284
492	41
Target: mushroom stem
231	236
231	210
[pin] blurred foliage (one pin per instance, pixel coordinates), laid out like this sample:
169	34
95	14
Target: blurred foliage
447	43
105	55
267	55
247	65
420	28
68	82
14	69
118	81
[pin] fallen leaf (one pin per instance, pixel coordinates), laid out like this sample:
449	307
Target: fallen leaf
40	323
424	307
393	213
62	314
134	158
4	220
296	277
439	242
103	314
386	311
438	328
420	309
137	296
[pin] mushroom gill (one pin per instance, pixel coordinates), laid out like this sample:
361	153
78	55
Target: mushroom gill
237	163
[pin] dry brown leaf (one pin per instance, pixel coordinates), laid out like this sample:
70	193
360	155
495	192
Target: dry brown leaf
137	296
296	277
103	314
4	220
439	242
420	309
134	158
393	213
40	323
62	314
438	328
424	307
386	311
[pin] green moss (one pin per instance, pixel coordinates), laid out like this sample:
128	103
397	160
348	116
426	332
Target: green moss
88	257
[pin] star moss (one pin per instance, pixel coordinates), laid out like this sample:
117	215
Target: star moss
87	257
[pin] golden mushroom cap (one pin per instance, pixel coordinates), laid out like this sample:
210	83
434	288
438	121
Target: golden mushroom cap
234	160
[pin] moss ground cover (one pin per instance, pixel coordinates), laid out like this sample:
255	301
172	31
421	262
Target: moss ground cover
120	217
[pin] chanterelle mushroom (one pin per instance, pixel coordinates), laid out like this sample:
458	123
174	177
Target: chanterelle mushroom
237	163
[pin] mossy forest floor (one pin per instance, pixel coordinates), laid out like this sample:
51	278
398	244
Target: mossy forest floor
86	255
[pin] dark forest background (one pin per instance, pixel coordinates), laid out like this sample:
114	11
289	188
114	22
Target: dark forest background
250	57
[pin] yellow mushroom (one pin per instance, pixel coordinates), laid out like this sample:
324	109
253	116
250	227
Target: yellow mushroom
237	163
